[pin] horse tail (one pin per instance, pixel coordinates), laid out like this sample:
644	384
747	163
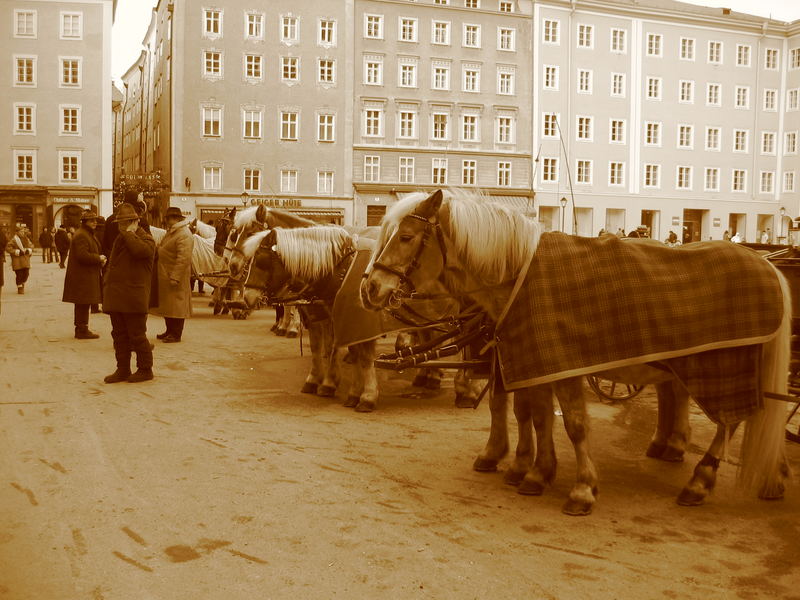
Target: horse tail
763	454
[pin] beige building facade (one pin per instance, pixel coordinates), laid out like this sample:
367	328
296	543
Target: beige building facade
57	131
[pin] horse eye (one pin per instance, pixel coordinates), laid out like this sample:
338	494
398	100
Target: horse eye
406	237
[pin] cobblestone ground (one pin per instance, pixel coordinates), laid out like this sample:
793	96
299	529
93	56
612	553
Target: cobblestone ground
219	480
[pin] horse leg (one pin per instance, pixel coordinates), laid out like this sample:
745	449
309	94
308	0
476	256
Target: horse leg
314	377
671	437
293	325
576	422
543	470
497	444
331	359
467	389
366	397
705	473
279	310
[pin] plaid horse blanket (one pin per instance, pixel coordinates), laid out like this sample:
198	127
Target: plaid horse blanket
592	304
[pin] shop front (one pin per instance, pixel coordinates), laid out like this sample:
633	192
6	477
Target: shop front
67	207
210	210
23	205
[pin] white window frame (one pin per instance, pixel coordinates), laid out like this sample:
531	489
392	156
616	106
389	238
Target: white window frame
289	126
372	168
407	124
407	73
745	137
618	40
372	122
469	171
679	130
209	54
254	124
688	170
584	171
79	118
584	128
24	105
766	177
289	29
687	49
61	61
205	15
789	179
326	71
470	130
647	178
659	84
289	180
624	127
373	26
792	99
585	76
504	173
440	75
686	85
652	129
746	51
435	128
326	127
413	28
717	137
322	28
252	174
768	52
585	36
377	62
254	20
551	32
32	153
505	125
467	32
34	70
734	173
212	110
550	169
742	91
325	182
62	33
406	169
716	172
654	45
713	44
34	23
548	82
71	154
769	148
621	77
252	61
611	168
443	28
471	68
790	143
212	174
550	125
506	39
439	171
718	87
773	95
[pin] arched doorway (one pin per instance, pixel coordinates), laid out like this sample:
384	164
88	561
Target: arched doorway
69	215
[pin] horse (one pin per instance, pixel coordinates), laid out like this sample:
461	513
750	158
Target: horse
488	252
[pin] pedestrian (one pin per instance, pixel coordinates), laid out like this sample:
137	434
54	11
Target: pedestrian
20	248
174	265
726	236
82	286
764	238
126	296
620	233
62	245
111	230
98	236
3	242
46	242
736	239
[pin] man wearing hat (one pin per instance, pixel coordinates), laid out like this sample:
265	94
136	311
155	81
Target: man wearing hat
174	266
82	280
126	296
110	229
20	249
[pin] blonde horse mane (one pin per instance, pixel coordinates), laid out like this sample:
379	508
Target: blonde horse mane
245	217
251	244
309	253
491	239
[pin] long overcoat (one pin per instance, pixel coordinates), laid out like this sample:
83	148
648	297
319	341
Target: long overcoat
82	283
175	264
23	261
126	285
61	240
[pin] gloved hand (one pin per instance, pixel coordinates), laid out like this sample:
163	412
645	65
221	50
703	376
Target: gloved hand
17	253
28	251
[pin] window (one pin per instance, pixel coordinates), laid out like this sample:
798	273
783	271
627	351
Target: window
324	182
770	100
251	121
469	128
70	167
212	178
616	173
654	88
685	136
326	33
441	76
549	170
686	92
469	172
551	28
585	36
445	2
408	29
289	29
506	7
471	4
439	130
788	181
654	44
70	72
373	122
767	182
373	26
652	176
584	128
71	25
212	63
712	138
471	36
794	58
325	71
25	73
506	39
742	55
408	74
618	85
713	94
289	180
24	120
652	134
584	81
792	99
252	66
742	96
583	172
550	77
790	143
711	180
767	142
618	41
683	178
503	173
212	22
687	49
739	180
440	32
616	131
505	130
505	81
471	78
771	58
289	125
25	165
407	122
70	120
24	23
255	25
739	140
289	68
212	122
406	173
715	52
325	128
373	71
372	168
550	125
439	171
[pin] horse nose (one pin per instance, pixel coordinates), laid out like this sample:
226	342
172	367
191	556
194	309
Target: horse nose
369	290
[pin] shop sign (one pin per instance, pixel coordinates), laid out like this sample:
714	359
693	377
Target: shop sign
83	200
276	202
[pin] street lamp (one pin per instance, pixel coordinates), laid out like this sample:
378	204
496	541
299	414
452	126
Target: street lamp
563	211
244	197
782	237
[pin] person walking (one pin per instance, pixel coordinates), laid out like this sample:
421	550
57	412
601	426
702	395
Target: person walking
82	285
62	245
20	248
174	265
46	242
126	296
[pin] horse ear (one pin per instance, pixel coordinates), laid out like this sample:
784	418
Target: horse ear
431	205
261	214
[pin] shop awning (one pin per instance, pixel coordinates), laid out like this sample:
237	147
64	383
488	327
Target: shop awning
317	212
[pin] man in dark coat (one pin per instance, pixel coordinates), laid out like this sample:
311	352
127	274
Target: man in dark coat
82	280
46	242
62	244
126	296
111	230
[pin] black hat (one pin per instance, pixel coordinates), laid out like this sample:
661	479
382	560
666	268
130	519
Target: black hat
173	212
88	215
131	197
125	212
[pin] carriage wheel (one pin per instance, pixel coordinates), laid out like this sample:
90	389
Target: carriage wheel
613	390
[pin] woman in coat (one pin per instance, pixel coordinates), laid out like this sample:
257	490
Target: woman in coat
174	265
82	286
20	248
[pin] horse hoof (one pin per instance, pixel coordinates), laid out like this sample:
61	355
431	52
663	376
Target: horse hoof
671	454
420	381
772	493
280	332
463	401
655	450
225	311
531	488
217	309
309	388
576	508
291	334
433	384
365	406
484	465
326	391
689	497
351	402
513	477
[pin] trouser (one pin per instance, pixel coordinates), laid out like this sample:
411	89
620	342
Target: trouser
200	284
174	326
22	275
81	315
63	257
129	332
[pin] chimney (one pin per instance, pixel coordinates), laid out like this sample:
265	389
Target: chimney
726	11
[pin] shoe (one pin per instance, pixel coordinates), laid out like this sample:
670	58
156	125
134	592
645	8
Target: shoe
170	339
20	289
85	334
117	376
161	336
141	375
